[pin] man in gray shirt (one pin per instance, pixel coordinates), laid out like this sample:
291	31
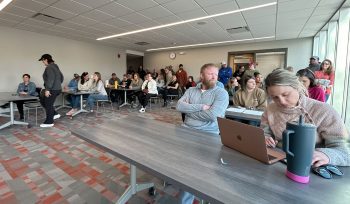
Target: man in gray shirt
202	105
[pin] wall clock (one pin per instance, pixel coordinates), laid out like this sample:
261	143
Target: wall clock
172	55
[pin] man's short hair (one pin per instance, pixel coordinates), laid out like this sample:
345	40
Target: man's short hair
113	74
206	66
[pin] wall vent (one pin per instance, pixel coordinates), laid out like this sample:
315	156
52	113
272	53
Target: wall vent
142	43
235	30
46	18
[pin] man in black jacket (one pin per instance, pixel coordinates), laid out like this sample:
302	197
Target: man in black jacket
53	79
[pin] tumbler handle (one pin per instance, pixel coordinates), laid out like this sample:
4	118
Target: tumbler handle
285	145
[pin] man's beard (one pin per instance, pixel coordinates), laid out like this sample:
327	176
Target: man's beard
209	83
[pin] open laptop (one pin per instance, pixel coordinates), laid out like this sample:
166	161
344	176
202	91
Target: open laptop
248	140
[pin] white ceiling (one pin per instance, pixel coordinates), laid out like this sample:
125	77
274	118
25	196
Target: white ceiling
87	20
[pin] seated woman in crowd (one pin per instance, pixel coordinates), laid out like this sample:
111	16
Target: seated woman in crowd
136	84
307	77
171	89
190	83
85	84
160	80
249	96
326	72
289	102
100	89
232	86
26	88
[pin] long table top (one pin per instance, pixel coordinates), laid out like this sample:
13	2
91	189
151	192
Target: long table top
197	162
12	96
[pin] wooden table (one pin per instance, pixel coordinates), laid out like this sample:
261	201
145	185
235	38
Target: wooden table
243	114
198	163
12	97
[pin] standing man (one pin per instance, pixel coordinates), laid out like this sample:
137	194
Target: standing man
314	64
202	105
181	76
53	79
225	73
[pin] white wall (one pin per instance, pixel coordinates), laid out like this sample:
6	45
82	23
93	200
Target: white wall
299	52
20	51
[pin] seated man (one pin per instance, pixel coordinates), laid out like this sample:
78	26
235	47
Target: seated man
148	90
111	83
25	88
202	105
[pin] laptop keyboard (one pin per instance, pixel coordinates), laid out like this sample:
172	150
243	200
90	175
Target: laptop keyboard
271	157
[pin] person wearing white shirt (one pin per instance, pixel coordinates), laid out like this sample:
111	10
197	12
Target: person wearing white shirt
149	89
100	89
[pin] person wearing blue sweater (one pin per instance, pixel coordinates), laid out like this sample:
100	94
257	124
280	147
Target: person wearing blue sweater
26	88
225	73
202	105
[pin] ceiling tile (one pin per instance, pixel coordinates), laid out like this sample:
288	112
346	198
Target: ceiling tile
58	13
168	19
71	6
163	1
155	12
37	23
117	22
296	5
48	2
148	24
134	18
138	5
94	3
7	23
131	27
98	15
251	3
271	19
71	25
258	13
11	17
18	11
231	21
178	6
220	8
262	30
83	20
115	9
191	14
108	28
205	3
330	2
31	5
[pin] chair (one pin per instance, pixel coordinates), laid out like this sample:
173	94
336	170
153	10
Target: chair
155	100
33	105
102	102
172	96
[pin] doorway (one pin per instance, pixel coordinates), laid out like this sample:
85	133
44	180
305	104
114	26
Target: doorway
133	62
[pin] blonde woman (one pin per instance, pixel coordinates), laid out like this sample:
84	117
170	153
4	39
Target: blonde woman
289	102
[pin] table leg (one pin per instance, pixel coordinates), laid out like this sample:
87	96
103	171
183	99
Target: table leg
134	187
63	103
125	100
82	110
12	119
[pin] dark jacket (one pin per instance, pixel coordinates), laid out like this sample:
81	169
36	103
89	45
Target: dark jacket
53	77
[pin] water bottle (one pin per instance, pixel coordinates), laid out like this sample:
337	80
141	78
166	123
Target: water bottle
299	141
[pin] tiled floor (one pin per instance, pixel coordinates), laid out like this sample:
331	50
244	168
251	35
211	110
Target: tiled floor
52	166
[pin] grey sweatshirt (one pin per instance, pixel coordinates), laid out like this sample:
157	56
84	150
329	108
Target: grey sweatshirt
192	103
52	77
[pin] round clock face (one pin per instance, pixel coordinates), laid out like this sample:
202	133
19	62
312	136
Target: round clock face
172	55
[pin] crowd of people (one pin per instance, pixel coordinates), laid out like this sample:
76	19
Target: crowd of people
283	96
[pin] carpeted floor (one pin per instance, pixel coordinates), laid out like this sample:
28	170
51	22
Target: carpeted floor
50	165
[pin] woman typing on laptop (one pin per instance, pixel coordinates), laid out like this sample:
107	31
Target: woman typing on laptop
289	102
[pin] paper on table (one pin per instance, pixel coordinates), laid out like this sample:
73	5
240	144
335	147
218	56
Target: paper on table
236	110
253	112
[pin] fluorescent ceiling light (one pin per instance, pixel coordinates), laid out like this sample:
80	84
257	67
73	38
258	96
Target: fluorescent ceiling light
4	3
211	43
188	21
